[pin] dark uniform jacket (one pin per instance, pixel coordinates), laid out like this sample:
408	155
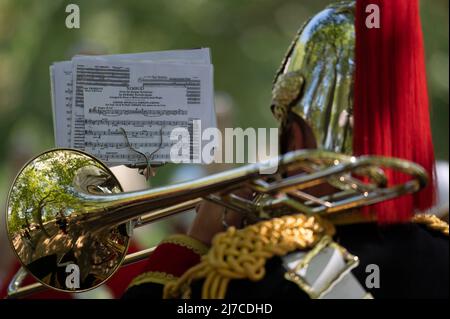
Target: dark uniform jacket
412	260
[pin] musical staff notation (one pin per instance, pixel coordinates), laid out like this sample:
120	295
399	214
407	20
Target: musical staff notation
134	158
119	145
137	123
135	134
99	102
192	86
144	112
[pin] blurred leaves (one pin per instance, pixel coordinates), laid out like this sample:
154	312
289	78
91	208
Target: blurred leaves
44	189
248	40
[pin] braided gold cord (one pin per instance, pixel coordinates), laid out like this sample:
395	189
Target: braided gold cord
239	254
152	277
432	222
185	241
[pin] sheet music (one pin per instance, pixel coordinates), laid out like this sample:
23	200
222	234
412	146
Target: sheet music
61	73
97	129
61	81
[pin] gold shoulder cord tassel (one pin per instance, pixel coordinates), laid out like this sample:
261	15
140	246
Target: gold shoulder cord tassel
239	254
432	221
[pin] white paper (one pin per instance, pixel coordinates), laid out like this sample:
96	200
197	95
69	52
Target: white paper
86	118
61	82
62	102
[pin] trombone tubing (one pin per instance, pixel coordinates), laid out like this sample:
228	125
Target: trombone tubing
38	287
15	291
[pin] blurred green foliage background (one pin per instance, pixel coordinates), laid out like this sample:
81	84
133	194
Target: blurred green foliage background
248	40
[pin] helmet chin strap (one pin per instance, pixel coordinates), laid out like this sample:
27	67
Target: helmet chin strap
296	135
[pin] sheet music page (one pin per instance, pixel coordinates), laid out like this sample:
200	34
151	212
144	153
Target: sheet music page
61	77
193	56
52	97
145	99
61	74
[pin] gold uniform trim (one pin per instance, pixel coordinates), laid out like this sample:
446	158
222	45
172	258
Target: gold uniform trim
239	254
162	277
183	240
152	277
432	222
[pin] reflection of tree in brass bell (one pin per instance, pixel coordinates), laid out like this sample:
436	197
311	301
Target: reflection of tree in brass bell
47	219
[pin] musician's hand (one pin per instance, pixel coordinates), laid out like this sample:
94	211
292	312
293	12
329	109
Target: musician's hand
210	220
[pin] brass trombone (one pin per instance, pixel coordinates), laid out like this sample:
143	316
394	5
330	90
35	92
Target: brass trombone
66	208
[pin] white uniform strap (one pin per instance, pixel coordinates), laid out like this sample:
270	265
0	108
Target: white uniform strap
325	272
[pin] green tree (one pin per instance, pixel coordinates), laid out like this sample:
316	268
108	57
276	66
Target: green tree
44	188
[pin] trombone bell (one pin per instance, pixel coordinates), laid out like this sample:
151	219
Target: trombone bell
45	221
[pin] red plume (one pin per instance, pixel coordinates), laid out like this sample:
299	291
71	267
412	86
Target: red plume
391	114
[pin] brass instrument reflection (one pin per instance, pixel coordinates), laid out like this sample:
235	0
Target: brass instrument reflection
45	220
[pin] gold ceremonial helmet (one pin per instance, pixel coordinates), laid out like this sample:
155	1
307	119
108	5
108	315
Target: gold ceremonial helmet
314	85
